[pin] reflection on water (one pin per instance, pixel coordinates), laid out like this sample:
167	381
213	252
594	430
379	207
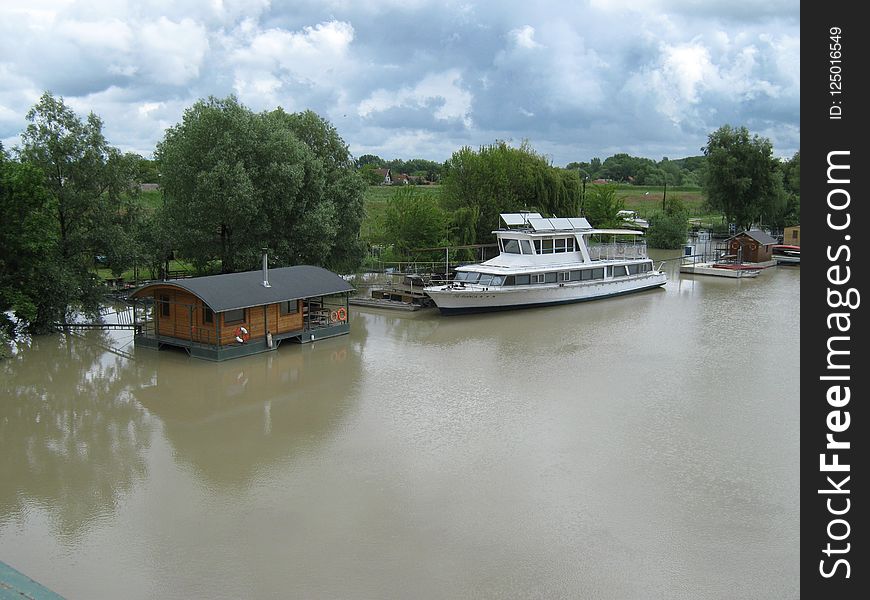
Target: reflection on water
643	446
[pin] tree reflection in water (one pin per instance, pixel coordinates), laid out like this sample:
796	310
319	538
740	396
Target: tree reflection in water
72	438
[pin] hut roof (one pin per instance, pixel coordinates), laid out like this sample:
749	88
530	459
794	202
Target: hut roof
231	291
757	235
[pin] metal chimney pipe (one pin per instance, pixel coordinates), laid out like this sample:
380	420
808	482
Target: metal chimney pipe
266	283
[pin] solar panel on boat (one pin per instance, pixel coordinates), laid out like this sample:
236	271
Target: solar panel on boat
511	219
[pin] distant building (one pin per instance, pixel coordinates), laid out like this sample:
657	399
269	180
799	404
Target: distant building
386	176
792	235
751	246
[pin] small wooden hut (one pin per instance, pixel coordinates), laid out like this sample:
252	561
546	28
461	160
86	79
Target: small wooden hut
237	314
752	246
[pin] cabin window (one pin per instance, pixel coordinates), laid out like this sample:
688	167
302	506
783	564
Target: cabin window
547	246
497	280
290	307
509	280
460	276
597	273
560	244
471	277
550	277
527	247
207	315
538	278
485	280
511	246
570	242
234	316
576	275
164	306
794	234
587	274
633	269
565	276
523	279
537	246
619	271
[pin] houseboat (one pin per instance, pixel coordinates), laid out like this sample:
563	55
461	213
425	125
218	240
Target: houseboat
237	314
785	254
544	262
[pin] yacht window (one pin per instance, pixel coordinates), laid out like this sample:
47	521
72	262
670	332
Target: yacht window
471	277
511	246
560	244
550	277
538	278
537	246
619	271
565	276
522	280
575	275
597	273
587	274
633	269
207	315
509	280
547	246
571	247
460	276
527	247
485	280
497	280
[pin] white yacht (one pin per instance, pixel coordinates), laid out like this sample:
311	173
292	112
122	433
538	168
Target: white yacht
549	261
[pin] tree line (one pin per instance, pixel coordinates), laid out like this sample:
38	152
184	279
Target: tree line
233	181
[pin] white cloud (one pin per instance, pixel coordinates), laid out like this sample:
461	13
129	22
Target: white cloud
172	52
442	89
524	37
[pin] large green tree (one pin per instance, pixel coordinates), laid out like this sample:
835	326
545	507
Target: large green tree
69	185
237	181
413	221
500	178
741	179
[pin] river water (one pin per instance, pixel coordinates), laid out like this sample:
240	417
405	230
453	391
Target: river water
638	447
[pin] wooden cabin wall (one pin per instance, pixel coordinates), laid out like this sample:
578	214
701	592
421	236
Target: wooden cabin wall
258	320
183	306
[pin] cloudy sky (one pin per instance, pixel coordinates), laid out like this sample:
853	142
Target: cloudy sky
419	78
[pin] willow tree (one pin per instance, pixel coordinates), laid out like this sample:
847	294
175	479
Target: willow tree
499	178
236	181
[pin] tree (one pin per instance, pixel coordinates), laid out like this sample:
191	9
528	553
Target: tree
37	285
668	228
86	182
413	221
603	206
236	182
741	180
499	178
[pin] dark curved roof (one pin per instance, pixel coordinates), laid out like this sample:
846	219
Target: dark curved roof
242	290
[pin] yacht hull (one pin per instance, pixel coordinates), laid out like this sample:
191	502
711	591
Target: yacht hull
473	299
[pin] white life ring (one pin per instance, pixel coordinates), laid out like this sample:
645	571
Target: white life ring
242	334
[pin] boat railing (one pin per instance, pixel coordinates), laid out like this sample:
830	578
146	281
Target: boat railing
617	250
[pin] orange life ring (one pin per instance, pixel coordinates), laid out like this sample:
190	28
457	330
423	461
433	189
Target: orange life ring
342	314
242	334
